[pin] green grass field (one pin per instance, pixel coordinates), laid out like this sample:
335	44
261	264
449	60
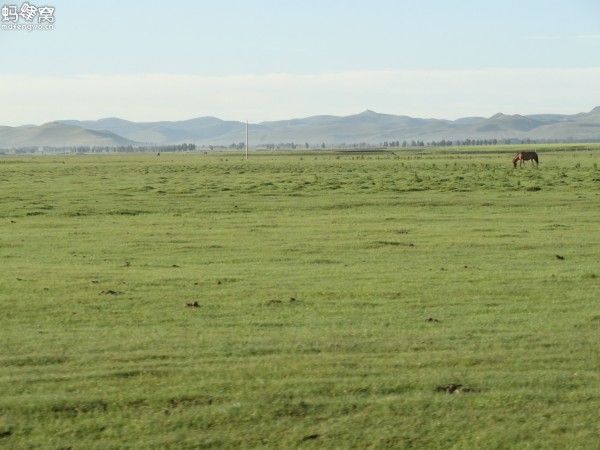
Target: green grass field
315	277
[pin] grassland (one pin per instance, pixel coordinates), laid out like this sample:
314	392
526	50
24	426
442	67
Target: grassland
315	277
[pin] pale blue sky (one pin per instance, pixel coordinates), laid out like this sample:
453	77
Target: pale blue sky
307	39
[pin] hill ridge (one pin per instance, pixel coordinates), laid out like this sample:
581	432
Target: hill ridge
368	127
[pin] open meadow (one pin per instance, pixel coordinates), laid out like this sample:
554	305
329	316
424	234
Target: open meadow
301	300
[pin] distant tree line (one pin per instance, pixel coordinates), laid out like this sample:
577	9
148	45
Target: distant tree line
81	149
440	143
132	149
292	146
283	146
475	142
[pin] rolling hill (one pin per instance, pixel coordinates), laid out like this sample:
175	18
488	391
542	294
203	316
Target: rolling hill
56	134
368	127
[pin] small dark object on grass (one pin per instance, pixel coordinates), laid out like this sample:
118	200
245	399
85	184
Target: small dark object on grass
194	304
110	292
293	299
431	319
174	265
274	302
5	433
218	281
560	257
310	437
466	267
12	221
453	388
127	264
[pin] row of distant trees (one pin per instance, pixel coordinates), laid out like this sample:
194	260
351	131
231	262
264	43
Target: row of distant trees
398	144
440	143
131	148
103	149
464	142
283	145
294	146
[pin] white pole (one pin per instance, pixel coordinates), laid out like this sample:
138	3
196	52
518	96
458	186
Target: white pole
246	139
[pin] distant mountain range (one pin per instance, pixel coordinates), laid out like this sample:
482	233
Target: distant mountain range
56	134
368	127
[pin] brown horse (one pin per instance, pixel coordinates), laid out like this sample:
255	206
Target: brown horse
525	156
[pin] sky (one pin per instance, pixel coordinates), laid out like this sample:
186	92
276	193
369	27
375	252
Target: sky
266	60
